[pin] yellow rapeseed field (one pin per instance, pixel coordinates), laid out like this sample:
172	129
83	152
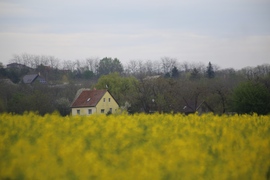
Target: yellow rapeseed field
140	146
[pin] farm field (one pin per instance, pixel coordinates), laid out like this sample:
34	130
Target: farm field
140	146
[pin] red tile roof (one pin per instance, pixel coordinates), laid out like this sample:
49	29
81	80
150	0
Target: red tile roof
84	101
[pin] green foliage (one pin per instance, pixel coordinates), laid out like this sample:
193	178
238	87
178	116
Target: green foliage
109	65
3	72
2	105
13	75
88	74
195	74
17	103
38	98
194	83
251	97
121	88
63	106
32	101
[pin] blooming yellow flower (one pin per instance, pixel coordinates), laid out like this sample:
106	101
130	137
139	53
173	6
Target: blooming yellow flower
140	146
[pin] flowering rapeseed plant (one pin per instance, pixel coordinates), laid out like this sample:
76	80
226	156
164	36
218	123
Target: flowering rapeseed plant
140	146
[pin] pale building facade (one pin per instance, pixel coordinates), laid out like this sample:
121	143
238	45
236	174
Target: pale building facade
94	102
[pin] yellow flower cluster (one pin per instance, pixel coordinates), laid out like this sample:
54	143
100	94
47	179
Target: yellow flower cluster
140	146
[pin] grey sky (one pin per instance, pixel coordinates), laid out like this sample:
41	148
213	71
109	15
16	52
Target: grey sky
229	33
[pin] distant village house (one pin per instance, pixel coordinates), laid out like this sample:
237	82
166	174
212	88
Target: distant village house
94	102
191	108
33	78
18	66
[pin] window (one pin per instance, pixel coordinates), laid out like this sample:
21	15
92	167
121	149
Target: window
109	99
102	111
78	111
89	111
111	110
103	99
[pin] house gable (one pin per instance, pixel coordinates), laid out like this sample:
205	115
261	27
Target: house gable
107	104
28	79
31	78
201	108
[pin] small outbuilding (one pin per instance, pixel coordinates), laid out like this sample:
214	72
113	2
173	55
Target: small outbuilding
94	102
202	108
32	78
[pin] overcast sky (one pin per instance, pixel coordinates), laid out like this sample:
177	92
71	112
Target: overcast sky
229	33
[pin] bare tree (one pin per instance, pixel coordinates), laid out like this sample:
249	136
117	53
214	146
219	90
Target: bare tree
132	67
157	67
36	61
44	60
262	70
141	69
16	59
168	64
92	64
149	68
138	68
68	65
53	62
186	67
27	59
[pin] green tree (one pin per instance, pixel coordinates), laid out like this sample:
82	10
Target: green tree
3	72
159	94
38	98
109	65
13	75
17	104
122	88
88	74
63	106
7	91
251	97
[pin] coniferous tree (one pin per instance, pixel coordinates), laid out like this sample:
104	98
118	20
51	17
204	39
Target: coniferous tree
210	73
175	72
167	75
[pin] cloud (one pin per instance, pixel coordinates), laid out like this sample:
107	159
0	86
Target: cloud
225	32
9	9
221	18
225	52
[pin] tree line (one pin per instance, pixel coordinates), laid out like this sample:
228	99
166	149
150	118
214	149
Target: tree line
166	85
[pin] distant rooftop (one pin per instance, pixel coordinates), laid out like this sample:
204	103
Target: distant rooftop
88	98
30	78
